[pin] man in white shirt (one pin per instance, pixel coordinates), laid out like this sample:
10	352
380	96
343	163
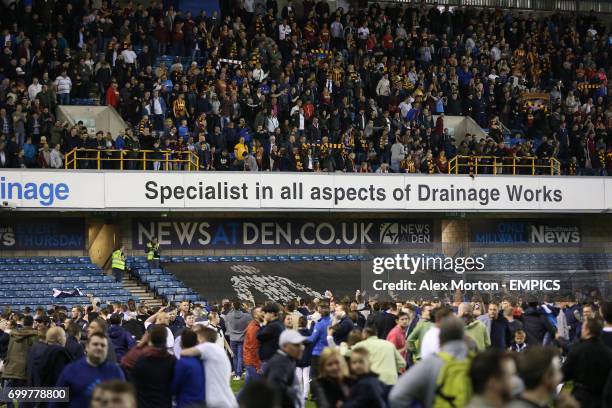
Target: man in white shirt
363	32
258	73
162	318
405	106
272	123
129	56
495	53
431	340
284	31
34	89
64	86
217	367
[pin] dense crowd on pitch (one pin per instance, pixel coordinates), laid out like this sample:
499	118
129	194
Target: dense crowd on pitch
305	87
325	352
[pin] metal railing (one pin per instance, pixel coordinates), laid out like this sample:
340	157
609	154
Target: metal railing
131	159
475	165
600	6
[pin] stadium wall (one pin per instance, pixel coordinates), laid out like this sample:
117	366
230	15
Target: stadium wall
58	234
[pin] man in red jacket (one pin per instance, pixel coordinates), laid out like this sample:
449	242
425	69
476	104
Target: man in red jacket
112	95
250	348
397	335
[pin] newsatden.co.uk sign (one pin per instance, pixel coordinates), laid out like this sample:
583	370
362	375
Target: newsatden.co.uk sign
271	233
155	191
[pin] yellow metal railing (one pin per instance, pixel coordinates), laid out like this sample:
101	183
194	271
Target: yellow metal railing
137	159
503	165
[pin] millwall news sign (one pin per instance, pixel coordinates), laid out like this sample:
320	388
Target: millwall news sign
526	232
273	191
275	233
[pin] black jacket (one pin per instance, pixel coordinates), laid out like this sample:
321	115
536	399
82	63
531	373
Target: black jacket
4	341
367	392
306	357
53	362
501	336
536	325
268	339
34	363
343	328
75	348
588	365
327	393
384	322
280	371
152	376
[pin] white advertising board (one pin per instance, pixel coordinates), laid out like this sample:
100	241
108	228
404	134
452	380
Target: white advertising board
218	191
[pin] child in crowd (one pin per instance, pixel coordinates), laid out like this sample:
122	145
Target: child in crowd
519	344
367	390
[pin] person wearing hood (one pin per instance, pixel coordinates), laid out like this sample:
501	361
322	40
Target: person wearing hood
20	342
236	323
536	324
120	338
419	384
55	358
153	372
475	329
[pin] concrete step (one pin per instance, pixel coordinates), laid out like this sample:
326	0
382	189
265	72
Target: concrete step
140	291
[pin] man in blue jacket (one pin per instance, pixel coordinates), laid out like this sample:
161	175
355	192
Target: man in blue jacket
318	338
120	338
189	376
82	376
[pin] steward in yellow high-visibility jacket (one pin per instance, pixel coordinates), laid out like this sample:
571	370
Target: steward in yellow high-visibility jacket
118	263
153	253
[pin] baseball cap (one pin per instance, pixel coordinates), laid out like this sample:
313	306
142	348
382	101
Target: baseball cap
290	337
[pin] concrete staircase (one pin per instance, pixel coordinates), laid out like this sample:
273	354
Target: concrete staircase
141	291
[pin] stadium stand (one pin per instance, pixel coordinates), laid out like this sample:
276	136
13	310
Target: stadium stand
314	89
30	281
160	281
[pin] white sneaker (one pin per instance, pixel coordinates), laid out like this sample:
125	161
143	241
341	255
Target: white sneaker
236	378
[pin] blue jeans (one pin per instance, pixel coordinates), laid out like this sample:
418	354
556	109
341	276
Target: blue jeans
236	347
251	374
63	99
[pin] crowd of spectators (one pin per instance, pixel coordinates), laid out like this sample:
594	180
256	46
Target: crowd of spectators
321	352
306	87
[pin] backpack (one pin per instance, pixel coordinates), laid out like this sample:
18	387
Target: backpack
453	387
